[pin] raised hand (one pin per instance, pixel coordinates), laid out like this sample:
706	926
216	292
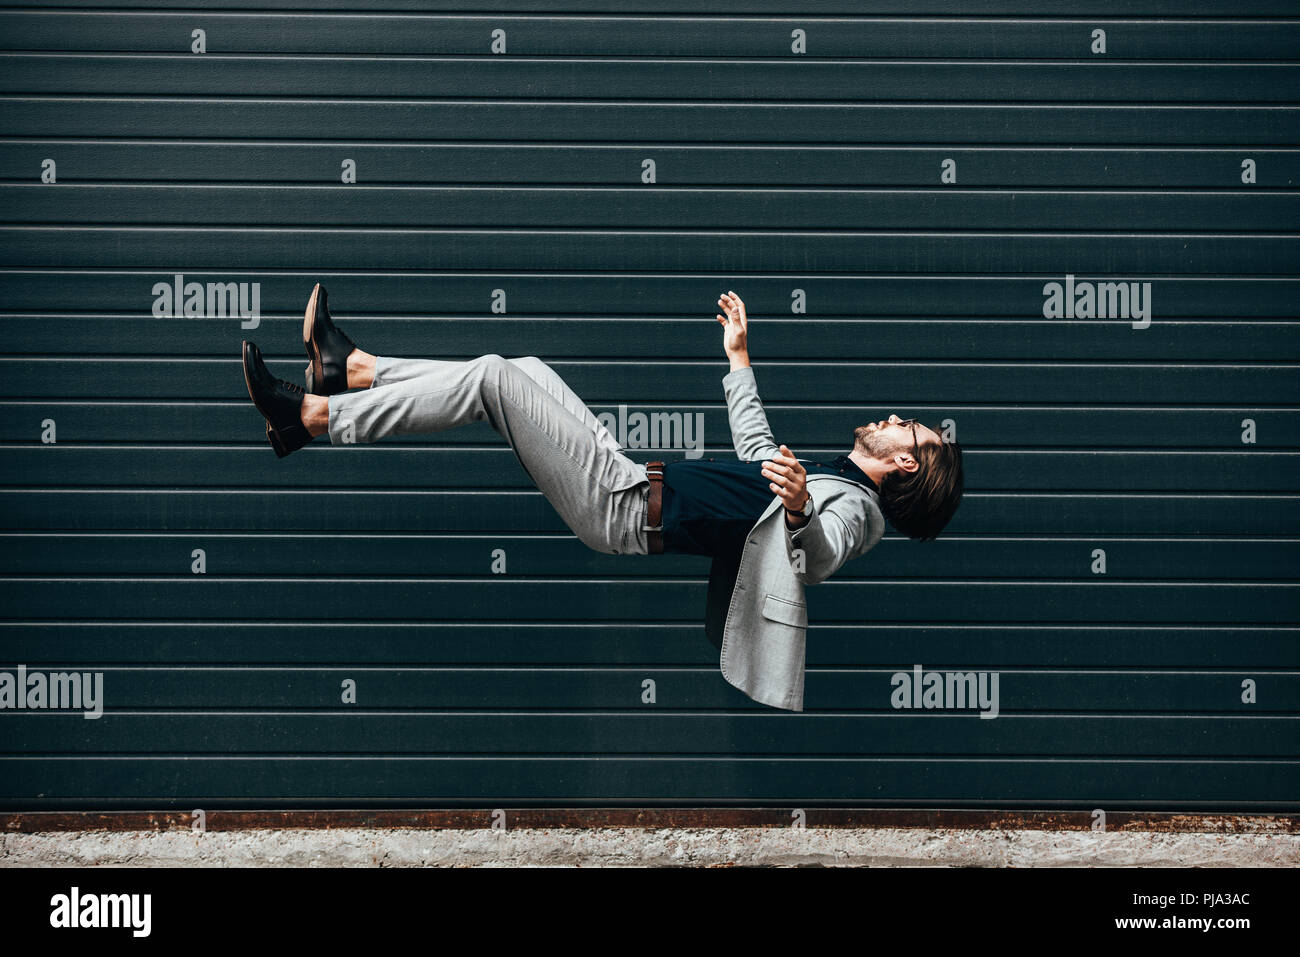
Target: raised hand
735	329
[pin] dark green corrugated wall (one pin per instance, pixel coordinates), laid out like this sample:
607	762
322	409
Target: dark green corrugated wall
809	178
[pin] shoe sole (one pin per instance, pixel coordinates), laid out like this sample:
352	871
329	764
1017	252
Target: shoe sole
272	435
311	376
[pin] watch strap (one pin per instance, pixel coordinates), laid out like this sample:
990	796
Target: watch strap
805	512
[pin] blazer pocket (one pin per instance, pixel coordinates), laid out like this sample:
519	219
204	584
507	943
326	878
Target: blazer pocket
794	613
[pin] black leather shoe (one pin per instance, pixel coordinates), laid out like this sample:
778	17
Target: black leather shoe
279	402
328	347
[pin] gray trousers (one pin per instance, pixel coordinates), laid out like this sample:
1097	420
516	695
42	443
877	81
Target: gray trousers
574	461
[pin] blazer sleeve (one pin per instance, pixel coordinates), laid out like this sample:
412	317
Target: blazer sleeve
827	542
750	433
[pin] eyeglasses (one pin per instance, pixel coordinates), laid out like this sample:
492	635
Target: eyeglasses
916	447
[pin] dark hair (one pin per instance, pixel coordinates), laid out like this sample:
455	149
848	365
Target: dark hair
919	504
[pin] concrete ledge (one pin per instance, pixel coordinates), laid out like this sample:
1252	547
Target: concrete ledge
630	846
650	818
624	837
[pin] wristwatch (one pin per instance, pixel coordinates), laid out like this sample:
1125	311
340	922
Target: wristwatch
806	511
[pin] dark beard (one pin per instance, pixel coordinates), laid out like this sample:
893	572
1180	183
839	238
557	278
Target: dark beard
875	445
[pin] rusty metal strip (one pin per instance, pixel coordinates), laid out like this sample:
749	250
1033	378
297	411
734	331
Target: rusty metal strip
650	818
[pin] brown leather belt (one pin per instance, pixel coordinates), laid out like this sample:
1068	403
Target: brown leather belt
655	507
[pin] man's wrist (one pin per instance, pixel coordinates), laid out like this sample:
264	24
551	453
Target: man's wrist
796	516
739	360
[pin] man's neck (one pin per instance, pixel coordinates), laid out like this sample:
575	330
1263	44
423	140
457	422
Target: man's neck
873	468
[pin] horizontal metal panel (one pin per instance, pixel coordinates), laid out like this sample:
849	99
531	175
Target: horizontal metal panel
389	467
787	337
657	79
1036	513
712	123
445	599
300	164
144	553
424	295
698	209
873	384
1081	712
657	35
831	647
557	730
205	248
1126	8
577	780
982	428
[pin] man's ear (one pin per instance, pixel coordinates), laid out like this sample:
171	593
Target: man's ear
905	462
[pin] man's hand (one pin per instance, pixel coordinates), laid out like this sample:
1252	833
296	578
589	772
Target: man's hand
735	328
789	482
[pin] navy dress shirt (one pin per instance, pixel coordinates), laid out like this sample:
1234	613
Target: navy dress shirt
710	506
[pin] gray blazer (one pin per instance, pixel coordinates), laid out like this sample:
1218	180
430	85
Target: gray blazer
757	612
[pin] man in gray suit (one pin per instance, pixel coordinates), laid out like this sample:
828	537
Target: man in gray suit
771	522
